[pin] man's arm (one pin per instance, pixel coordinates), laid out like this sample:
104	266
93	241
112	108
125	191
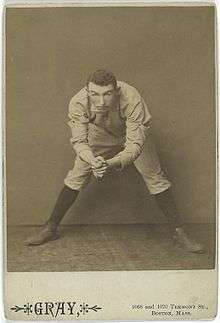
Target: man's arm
79	125
137	126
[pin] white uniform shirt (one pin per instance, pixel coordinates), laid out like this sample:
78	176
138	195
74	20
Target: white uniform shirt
125	124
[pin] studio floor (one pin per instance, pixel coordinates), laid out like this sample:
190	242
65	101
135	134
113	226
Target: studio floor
109	247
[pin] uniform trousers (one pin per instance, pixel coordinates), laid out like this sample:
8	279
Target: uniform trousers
147	164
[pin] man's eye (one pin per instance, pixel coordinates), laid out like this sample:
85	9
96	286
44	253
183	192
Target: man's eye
94	94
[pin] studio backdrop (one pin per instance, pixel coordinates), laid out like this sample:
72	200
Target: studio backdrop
51	51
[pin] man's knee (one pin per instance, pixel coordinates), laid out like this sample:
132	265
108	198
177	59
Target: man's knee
79	176
157	183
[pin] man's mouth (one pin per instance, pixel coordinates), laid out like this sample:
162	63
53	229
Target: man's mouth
100	109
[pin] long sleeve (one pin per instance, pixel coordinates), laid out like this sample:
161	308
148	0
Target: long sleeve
137	125
79	127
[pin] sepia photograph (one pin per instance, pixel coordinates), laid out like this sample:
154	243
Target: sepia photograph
110	139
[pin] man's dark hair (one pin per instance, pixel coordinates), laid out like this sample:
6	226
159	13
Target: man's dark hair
102	78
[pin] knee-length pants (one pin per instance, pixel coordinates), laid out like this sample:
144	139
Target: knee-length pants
147	164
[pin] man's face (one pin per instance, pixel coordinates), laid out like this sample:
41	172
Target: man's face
102	97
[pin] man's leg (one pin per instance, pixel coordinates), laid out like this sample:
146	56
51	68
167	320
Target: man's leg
74	182
167	204
149	166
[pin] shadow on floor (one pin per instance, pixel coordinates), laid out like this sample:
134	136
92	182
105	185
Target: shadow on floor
112	247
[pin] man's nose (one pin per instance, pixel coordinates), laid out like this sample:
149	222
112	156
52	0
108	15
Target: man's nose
101	100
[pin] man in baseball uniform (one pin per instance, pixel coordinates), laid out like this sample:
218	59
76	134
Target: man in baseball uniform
110	124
